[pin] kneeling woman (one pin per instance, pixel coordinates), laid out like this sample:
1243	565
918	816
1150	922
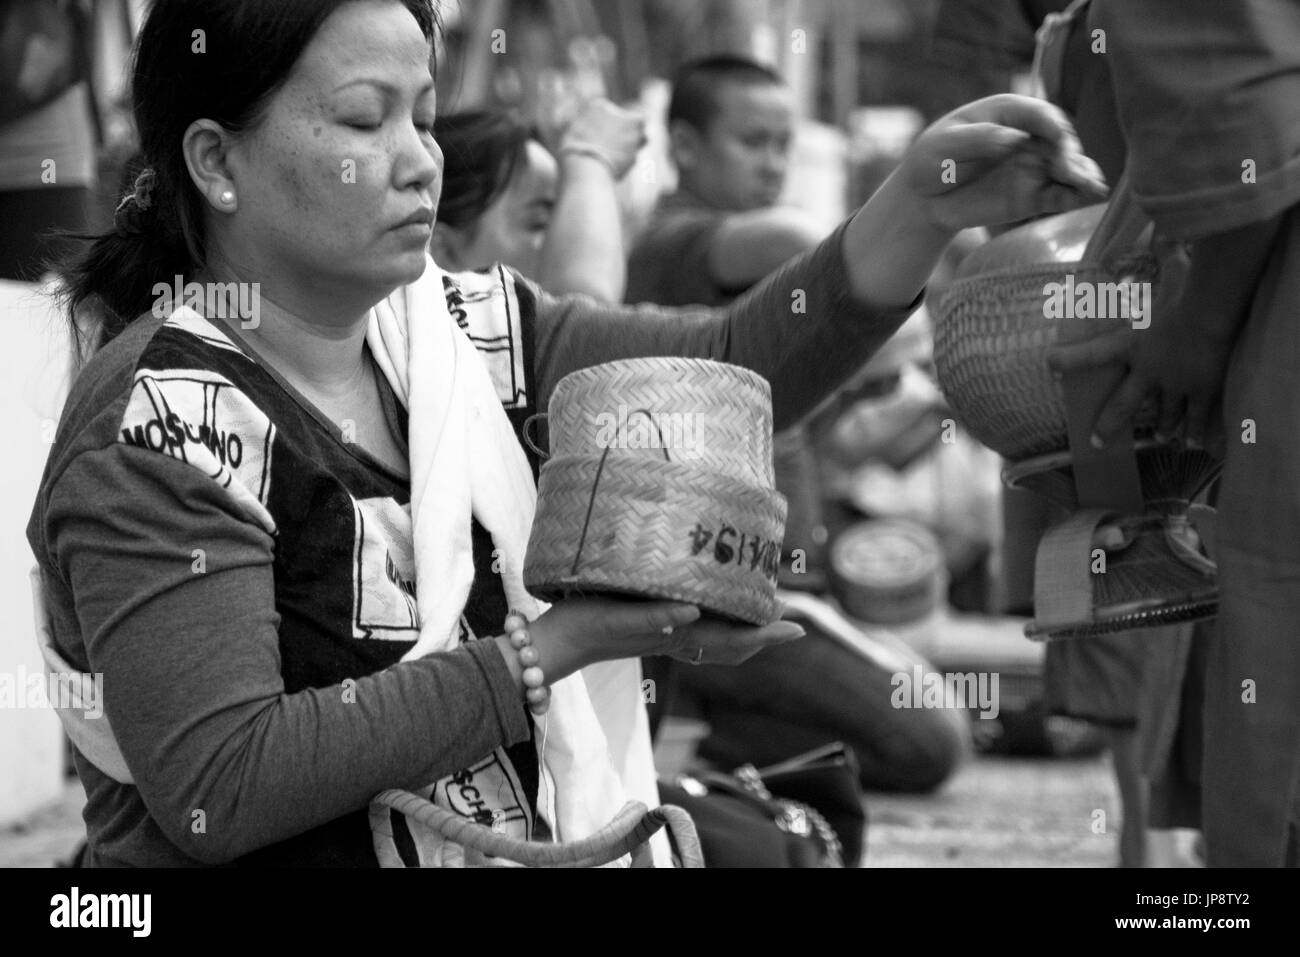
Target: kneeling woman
290	540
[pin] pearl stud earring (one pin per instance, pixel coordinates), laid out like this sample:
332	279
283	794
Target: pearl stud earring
228	197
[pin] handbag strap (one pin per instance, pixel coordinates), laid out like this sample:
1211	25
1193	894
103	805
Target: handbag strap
631	828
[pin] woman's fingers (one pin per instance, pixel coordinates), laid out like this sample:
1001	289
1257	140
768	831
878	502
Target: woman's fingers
778	632
643	618
1038	117
979	141
718	642
1052	198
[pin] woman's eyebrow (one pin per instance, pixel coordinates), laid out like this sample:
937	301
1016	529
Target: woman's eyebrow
388	87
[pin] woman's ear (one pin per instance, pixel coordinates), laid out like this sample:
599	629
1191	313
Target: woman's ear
445	246
205	145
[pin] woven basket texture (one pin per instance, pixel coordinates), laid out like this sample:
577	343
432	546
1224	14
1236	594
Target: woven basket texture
991	346
1144	586
1171	477
656	529
715	416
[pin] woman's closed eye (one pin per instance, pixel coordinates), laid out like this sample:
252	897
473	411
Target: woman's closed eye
368	126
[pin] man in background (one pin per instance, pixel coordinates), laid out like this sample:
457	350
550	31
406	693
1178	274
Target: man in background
731	126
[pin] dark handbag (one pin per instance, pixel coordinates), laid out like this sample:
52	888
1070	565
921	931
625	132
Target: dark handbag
826	778
803	812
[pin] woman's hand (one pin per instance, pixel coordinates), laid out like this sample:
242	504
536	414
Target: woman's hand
579	632
998	160
711	641
608	132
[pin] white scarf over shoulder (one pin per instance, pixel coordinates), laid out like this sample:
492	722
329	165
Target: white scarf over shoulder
465	460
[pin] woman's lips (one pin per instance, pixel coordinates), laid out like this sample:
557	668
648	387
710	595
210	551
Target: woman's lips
422	218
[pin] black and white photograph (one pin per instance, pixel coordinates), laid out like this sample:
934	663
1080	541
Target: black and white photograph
627	434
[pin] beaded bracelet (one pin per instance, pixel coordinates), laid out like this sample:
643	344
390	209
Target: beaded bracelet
536	691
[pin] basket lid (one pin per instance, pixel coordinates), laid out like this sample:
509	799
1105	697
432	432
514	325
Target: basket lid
1053	239
713	415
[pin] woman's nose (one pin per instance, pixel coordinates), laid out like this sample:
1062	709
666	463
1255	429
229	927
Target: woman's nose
421	158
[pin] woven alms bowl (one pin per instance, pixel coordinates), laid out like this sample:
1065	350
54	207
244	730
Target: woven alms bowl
993	332
656	529
1171	476
715	416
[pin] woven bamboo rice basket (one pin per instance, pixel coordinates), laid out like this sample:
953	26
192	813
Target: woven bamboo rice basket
701	524
656	529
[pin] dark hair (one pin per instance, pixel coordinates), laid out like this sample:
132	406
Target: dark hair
481	151
696	85
249	48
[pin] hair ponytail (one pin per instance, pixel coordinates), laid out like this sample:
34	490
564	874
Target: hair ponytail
110	282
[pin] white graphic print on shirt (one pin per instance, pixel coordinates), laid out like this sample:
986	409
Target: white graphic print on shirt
199	417
383	586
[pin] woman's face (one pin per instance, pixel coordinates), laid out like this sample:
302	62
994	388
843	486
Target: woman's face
513	228
338	182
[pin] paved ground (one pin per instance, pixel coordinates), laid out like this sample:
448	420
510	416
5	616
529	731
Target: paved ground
997	812
1001	812
47	836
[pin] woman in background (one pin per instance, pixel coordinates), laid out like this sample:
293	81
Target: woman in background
553	217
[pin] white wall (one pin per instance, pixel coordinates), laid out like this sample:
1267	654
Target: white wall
33	379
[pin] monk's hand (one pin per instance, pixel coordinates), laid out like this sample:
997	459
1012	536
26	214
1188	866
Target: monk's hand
999	160
1168	363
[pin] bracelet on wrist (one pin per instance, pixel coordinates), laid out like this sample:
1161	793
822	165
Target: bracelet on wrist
536	691
581	149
